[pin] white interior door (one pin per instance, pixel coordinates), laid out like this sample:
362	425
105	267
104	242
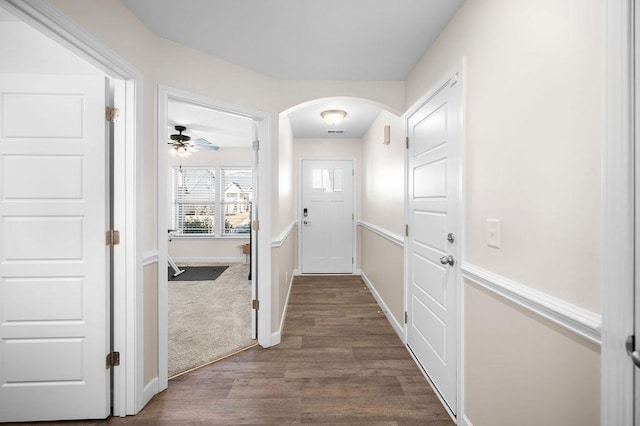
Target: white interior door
434	191
54	275
327	217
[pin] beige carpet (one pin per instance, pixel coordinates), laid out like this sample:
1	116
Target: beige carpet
208	319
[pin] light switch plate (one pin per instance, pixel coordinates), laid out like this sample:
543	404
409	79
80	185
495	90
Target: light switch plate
494	239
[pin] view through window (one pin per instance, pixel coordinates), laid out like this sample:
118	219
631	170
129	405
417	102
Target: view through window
213	201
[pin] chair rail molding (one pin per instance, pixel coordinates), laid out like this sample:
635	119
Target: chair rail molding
280	239
391	236
574	318
150	257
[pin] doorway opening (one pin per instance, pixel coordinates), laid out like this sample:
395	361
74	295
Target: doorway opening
210	203
210	168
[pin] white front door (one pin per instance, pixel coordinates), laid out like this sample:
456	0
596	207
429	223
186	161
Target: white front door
54	275
327	217
434	191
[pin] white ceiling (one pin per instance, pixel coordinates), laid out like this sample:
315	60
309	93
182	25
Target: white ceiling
300	40
220	128
305	39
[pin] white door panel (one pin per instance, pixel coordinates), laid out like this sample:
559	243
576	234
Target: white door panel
433	183
54	276
327	229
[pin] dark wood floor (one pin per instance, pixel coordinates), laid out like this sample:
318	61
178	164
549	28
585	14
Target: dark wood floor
340	362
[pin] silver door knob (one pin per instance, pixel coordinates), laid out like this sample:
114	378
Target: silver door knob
447	260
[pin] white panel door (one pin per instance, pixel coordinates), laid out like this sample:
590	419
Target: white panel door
434	191
54	293
327	217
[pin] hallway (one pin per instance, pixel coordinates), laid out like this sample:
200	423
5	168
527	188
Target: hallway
340	362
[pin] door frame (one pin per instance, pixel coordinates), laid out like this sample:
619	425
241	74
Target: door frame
457	72
619	230
263	207
127	273
354	204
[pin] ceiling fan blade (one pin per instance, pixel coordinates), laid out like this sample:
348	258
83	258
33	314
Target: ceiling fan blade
203	143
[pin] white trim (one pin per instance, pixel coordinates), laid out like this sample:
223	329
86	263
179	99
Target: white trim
262	121
150	390
209	259
433	387
458	71
618	234
574	318
128	277
463	420
280	239
150	257
277	336
393	237
385	309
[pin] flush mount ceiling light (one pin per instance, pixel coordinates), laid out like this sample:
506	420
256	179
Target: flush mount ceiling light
333	116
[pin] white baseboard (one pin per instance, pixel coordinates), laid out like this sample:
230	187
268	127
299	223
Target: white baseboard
209	259
357	271
392	320
276	337
464	420
150	390
433	386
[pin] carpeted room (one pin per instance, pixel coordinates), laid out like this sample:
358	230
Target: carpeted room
208	318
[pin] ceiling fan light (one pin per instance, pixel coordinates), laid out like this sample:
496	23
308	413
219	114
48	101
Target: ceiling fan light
333	116
173	151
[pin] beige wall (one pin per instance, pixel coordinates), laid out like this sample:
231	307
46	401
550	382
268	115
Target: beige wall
382	204
150	342
525	370
533	126
382	263
533	86
284	259
383	191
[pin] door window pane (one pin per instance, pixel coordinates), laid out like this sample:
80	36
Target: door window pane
327	180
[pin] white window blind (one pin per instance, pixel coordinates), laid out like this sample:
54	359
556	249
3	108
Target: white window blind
194	200
237	190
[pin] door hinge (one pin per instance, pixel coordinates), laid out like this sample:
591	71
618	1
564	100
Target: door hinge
406	317
112	237
352	261
407	141
255	304
353	216
113	359
111	114
256	145
406	230
256	225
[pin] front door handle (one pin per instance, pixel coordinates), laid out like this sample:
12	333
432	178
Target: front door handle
447	260
306	222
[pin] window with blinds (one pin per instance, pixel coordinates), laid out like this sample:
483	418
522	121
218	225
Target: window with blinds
236	197
194	205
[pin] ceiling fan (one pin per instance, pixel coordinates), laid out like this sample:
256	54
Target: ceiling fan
183	146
